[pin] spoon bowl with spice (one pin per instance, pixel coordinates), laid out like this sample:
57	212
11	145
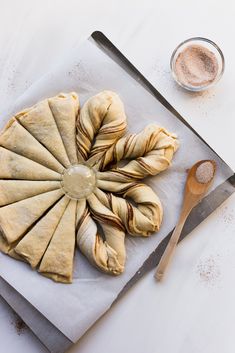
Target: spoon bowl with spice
198	182
197	64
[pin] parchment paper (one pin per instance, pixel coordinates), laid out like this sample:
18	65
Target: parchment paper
74	308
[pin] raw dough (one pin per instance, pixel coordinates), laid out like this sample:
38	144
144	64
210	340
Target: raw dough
41	145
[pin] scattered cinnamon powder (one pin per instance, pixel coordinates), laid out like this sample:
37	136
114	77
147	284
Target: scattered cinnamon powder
18	324
228	215
208	270
196	66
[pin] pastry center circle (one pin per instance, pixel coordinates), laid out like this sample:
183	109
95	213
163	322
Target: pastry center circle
78	181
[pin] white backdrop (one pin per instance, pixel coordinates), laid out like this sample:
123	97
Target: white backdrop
192	311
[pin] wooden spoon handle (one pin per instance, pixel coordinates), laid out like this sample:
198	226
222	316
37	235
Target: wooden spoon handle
169	251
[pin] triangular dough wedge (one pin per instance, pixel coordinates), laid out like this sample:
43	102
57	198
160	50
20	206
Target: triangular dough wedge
14	166
16	190
57	263
15	219
15	256
65	109
17	139
35	242
40	122
4	246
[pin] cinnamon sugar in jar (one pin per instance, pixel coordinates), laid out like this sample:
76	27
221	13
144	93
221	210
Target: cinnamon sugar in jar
197	64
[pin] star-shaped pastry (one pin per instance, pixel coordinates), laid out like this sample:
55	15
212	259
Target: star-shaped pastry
72	178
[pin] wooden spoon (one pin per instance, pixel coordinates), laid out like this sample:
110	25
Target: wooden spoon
196	187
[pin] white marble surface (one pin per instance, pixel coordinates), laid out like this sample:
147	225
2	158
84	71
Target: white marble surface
192	311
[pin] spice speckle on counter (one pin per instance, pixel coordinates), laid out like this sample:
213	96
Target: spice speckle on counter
18	324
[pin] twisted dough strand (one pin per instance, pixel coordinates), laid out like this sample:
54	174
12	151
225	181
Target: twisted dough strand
103	120
142	219
153	149
108	255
